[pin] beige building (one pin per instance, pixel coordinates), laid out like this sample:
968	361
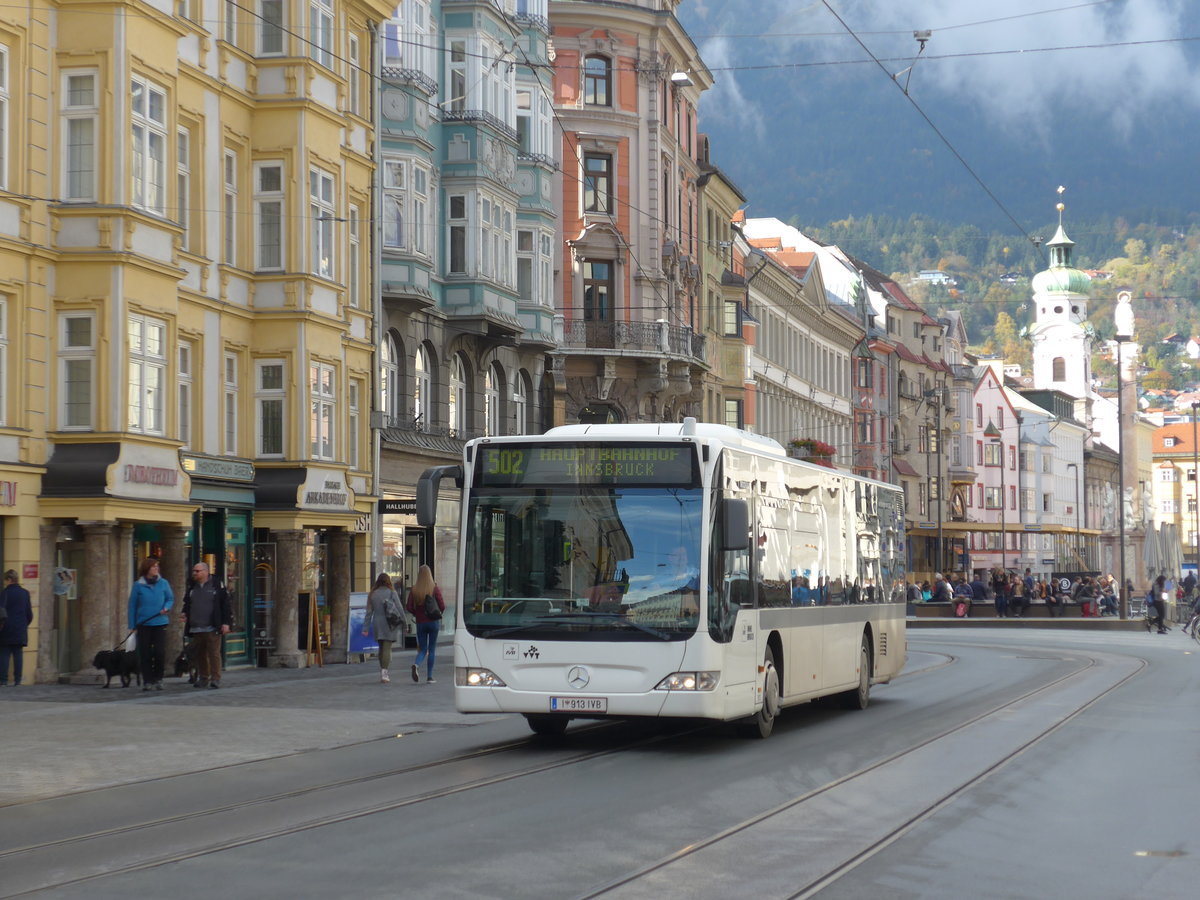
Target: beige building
187	341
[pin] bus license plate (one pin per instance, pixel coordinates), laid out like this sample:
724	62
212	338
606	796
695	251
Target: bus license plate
579	704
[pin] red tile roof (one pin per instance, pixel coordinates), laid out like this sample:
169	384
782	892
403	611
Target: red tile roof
1181	431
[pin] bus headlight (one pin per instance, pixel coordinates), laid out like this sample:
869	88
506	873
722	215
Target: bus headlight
689	681
465	677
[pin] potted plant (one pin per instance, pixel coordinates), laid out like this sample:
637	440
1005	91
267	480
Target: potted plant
812	450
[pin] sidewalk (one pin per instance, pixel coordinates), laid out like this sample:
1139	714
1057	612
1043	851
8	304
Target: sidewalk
60	738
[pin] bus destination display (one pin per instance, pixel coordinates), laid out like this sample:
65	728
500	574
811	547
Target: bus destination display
511	465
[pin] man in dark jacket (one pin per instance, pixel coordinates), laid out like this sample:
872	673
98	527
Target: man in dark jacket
208	615
14	633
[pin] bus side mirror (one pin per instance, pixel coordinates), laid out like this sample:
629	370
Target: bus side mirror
427	492
735	524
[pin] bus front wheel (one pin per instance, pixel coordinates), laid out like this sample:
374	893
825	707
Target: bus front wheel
762	723
546	725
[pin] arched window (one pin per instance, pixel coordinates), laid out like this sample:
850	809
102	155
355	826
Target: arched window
520	399
422	390
1060	369
457	412
389	379
492	383
597	81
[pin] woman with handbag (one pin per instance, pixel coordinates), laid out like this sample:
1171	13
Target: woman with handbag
386	617
426	604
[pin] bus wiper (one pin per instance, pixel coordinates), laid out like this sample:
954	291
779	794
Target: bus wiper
617	617
567	617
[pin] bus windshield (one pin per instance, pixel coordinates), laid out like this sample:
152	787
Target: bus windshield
575	562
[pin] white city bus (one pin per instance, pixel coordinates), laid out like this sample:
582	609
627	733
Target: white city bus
668	570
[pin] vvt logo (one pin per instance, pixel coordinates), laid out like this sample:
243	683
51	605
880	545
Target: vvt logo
532	652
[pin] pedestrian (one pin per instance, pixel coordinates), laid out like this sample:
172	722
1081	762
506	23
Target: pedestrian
207	617
1020	599
941	589
380	601
978	590
16	612
149	603
1087	597
1156	603
1000	590
424	596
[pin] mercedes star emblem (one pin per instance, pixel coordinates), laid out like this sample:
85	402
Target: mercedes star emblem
578	677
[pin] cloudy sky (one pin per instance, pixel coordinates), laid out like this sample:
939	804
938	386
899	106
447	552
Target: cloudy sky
1029	71
1127	58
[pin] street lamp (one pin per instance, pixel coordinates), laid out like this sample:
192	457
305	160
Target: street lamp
992	433
1078	536
1196	483
1121	339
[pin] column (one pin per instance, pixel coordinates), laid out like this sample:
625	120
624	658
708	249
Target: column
285	619
338	585
174	567
49	615
98	630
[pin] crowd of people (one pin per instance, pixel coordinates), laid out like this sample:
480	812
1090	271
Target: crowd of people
1013	593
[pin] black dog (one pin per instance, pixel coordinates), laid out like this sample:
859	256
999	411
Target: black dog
123	663
185	662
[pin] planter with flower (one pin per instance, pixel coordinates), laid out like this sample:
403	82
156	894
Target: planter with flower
812	450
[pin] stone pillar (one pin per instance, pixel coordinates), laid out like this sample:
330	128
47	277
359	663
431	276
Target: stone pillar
285	619
48	662
174	567
338	585
98	630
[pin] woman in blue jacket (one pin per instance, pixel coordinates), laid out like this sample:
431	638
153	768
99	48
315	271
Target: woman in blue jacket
149	602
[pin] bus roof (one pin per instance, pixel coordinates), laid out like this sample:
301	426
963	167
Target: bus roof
689	427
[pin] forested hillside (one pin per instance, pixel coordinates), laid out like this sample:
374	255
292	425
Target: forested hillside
1159	263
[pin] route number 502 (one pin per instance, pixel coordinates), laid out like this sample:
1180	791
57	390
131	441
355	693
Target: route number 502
506	462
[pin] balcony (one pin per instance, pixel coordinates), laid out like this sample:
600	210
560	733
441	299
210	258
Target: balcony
475	116
653	338
399	75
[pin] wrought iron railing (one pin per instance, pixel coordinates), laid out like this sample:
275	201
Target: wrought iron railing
397	74
650	337
480	115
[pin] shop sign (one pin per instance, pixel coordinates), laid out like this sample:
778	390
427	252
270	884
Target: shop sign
397	507
29	572
225	469
325	489
149	472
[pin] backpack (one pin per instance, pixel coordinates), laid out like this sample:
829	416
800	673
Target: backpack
432	612
392	611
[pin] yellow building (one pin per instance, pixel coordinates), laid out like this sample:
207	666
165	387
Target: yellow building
185	316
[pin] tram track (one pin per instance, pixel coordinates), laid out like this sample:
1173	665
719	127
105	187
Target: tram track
46	856
85	860
697	870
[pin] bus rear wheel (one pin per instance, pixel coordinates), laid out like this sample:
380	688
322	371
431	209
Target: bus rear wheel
547	725
762	723
859	697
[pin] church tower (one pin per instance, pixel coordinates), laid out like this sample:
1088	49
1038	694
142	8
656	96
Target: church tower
1061	335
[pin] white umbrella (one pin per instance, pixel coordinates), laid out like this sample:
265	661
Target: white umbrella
1171	553
1152	555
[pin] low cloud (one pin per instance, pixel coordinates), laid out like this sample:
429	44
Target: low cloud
1134	65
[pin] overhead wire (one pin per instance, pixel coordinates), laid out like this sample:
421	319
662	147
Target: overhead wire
945	140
